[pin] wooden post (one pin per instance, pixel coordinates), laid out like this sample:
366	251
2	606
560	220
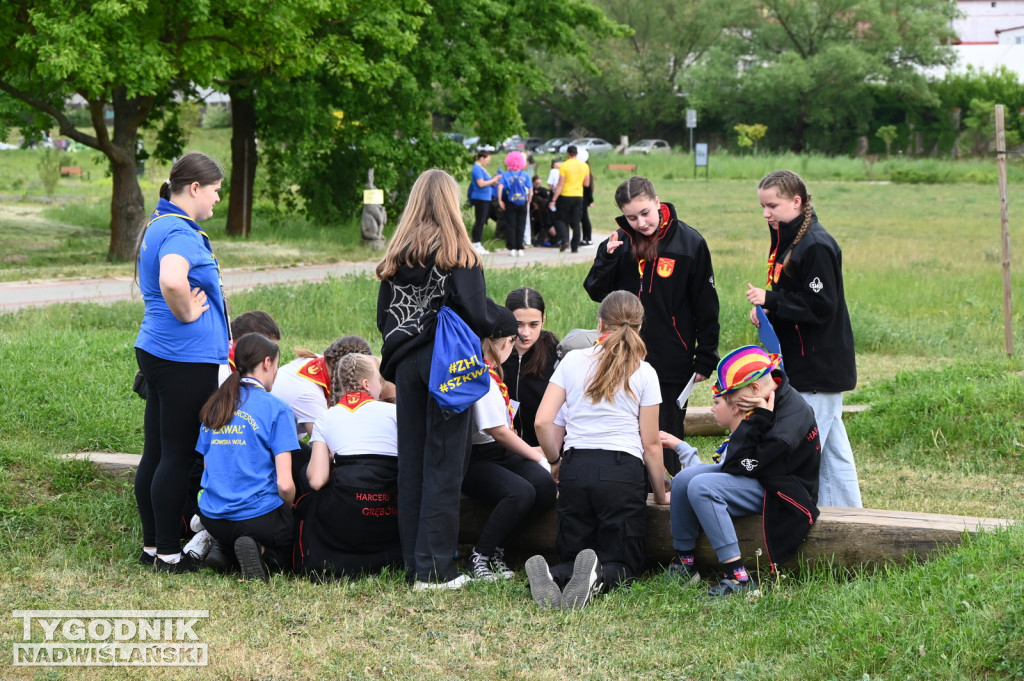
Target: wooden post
1004	225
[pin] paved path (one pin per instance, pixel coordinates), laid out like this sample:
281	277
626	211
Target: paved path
16	295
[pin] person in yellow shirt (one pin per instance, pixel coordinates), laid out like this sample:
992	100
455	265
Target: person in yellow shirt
574	175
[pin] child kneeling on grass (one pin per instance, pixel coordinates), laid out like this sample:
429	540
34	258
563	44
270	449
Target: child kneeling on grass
612	452
246	439
769	466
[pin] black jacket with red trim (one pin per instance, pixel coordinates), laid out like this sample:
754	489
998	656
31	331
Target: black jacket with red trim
780	448
678	293
807	309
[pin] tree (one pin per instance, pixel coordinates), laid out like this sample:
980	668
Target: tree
637	87
749	135
471	64
121	55
888	134
805	64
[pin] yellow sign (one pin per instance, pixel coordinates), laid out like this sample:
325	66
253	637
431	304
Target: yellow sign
373	197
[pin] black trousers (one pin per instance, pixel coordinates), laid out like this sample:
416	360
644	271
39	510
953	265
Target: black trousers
482	211
273	530
432	457
519	489
602	505
570	211
515	225
176	393
672	419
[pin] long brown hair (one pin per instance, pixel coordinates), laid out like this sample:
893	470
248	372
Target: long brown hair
430	228
634	188
622	350
788	185
250	351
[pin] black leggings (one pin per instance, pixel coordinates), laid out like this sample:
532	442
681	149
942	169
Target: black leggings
482	211
177	391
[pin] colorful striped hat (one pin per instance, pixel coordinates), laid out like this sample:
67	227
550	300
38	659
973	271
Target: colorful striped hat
743	366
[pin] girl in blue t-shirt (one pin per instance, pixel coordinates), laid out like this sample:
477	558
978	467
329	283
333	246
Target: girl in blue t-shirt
481	191
181	346
246	438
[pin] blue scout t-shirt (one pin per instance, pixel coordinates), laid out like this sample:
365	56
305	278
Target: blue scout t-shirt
240	480
161	334
476	192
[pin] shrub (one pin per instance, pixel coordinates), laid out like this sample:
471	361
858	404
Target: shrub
216	117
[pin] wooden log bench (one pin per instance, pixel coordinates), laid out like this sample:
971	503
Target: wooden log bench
626	167
842	537
71	171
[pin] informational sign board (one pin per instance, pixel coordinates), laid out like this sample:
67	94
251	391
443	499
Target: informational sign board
701	159
691	118
373	197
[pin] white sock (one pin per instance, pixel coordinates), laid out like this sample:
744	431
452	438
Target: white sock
149	552
171	559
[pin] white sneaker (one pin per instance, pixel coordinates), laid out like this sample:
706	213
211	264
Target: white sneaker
512	252
199	545
520	253
479	248
457	583
196	524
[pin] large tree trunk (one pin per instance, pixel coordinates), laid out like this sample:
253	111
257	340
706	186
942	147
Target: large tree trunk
127	211
127	207
243	160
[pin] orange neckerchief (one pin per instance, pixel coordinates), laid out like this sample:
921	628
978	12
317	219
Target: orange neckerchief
666	217
316	370
354	400
774	271
504	390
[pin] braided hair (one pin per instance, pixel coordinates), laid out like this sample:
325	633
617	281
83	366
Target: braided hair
350	371
788	185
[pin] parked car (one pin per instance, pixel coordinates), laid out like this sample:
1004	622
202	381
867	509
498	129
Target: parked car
552	145
473	144
649	147
593	145
514	143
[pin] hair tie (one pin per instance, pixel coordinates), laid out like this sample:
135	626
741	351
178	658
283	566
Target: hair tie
625	323
168	182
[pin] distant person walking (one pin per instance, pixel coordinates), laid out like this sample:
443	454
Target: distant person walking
806	306
182	343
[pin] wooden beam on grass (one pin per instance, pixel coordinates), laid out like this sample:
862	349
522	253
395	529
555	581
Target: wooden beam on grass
842	537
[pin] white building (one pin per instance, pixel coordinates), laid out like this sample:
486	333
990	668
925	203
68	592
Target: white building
991	34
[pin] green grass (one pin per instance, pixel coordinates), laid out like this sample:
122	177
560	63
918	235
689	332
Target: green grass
944	434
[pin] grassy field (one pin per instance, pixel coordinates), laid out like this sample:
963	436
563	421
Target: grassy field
944	434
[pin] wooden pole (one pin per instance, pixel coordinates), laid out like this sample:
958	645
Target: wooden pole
1004	225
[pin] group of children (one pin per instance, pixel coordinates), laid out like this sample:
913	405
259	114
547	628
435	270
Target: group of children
584	434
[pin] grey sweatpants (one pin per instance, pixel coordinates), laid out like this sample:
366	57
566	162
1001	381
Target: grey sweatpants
704	497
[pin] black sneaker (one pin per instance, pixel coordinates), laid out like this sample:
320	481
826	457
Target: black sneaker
728	587
586	581
146	559
218	558
184	564
247	552
480	566
545	592
687	574
498	565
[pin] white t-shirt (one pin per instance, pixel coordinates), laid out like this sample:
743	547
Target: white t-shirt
489	411
305	397
611	425
553	177
371	428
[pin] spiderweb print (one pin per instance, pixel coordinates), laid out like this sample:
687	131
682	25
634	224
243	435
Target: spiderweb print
410	302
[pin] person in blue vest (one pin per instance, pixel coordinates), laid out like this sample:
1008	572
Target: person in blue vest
181	347
246	440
